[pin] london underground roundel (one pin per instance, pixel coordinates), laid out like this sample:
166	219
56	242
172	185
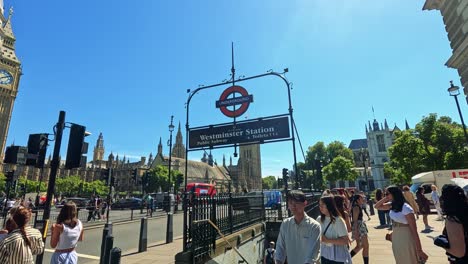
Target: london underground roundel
232	97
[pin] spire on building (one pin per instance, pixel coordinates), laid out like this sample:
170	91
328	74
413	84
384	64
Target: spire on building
407	127
386	124
230	161
370	127
210	159
160	147
178	150
224	160
375	125
367	131
396	128
150	159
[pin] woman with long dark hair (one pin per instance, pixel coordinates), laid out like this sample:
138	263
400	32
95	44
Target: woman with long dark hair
65	235
359	228
454	204
340	205
335	240
424	206
23	242
406	245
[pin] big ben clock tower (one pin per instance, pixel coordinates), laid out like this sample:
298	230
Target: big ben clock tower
10	73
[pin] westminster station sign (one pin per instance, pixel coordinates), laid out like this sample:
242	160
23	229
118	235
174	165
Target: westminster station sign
253	131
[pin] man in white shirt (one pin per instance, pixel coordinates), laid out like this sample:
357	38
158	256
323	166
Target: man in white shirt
299	236
435	199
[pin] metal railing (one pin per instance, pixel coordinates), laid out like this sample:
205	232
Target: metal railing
230	212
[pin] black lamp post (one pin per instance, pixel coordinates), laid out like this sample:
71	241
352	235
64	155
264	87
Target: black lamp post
171	129
455	91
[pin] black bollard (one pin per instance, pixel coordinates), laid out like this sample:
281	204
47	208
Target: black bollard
108	247
115	255
143	242
107	231
169	229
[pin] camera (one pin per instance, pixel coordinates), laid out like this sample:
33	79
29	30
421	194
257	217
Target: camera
442	241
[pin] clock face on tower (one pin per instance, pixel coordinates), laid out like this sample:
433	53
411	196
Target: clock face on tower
5	77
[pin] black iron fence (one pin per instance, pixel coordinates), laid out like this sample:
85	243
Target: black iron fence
229	212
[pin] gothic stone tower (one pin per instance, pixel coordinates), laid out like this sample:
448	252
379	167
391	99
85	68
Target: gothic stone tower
250	167
10	73
178	150
99	149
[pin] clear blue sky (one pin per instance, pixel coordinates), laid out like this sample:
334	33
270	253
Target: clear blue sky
122	67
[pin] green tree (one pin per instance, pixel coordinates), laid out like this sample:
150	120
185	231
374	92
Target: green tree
68	186
336	149
95	187
435	144
340	168
158	177
269	183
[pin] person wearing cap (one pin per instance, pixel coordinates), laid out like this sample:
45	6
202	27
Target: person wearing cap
270	254
299	236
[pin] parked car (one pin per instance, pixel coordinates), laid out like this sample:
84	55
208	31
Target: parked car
128	203
80	202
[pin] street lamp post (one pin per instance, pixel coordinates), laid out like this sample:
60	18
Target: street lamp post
455	91
171	129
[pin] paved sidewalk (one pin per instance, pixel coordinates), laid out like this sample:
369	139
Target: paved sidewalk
159	253
380	250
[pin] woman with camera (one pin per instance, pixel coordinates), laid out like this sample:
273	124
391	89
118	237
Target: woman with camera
454	240
406	245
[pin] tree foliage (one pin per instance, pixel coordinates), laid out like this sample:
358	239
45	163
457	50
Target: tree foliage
75	186
158	179
340	168
321	156
269	183
435	144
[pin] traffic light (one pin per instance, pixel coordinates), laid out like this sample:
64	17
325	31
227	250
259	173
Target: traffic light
285	177
10	176
134	175
105	176
76	147
285	173
37	148
15	155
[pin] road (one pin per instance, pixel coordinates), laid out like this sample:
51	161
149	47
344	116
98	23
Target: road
126	237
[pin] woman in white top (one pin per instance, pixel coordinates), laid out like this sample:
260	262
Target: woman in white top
334	242
406	245
65	235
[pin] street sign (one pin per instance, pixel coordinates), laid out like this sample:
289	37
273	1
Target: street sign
244	101
251	131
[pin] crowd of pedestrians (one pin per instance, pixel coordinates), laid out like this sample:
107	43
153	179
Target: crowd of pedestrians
340	232
19	242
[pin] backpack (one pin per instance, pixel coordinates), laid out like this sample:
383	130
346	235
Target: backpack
269	257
